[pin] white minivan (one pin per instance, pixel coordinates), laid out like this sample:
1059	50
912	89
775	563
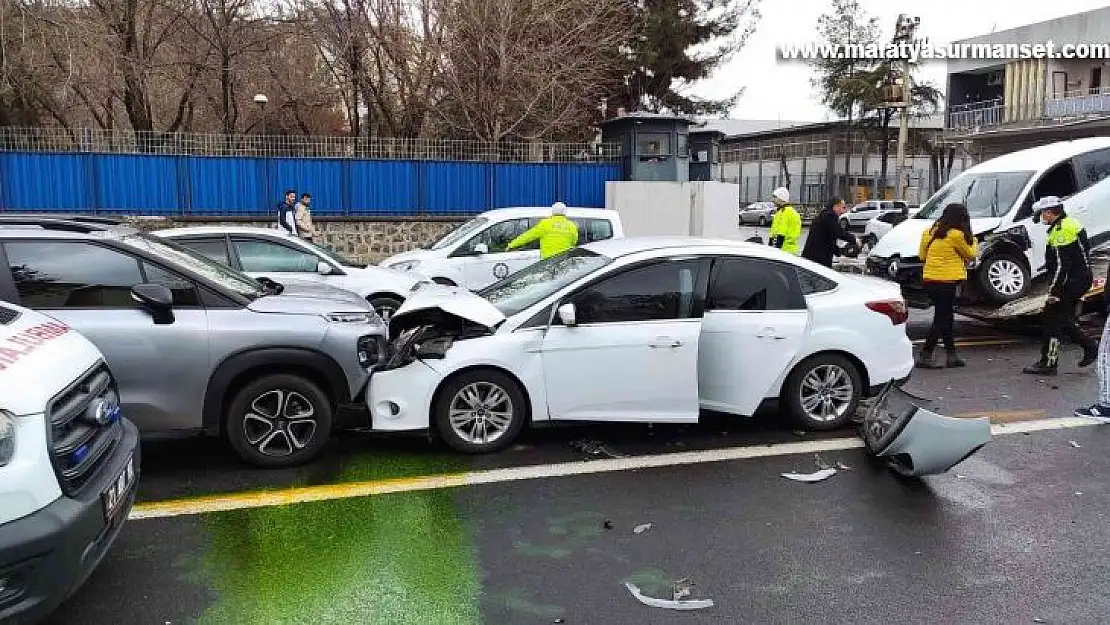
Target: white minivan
999	195
474	255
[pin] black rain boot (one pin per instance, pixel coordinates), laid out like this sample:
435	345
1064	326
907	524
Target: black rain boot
1049	359
925	358
1090	355
953	359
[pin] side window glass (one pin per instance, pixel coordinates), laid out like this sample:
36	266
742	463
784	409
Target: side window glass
753	284
261	256
1058	181
590	230
1092	168
216	249
811	283
72	275
664	290
184	291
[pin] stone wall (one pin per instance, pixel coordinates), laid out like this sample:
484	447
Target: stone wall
367	240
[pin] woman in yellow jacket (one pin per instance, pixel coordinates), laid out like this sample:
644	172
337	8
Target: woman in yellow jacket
946	248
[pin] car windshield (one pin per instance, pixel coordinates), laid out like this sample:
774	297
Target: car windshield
985	195
176	255
327	251
460	233
535	282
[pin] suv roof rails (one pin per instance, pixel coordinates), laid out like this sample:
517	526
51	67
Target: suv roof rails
68	223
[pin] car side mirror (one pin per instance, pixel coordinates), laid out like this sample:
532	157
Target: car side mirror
323	268
157	300
481	248
567	315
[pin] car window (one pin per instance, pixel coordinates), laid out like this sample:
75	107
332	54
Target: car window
256	256
184	291
811	283
664	290
498	236
216	249
590	230
70	274
753	284
1092	167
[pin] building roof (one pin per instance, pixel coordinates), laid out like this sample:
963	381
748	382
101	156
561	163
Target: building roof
932	122
1088	26
645	116
735	127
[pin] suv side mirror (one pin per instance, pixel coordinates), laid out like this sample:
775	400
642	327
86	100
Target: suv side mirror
157	299
481	248
323	268
567	315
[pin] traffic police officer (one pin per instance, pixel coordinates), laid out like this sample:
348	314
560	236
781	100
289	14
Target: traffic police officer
786	225
1069	269
556	233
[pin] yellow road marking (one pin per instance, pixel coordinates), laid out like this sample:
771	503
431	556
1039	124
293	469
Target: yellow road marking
296	495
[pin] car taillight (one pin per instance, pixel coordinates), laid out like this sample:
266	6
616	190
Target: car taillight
895	310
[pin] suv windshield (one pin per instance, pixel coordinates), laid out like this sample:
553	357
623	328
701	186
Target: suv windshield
985	195
176	255
535	282
460	233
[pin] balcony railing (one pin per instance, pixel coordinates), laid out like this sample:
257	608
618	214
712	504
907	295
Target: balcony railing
976	116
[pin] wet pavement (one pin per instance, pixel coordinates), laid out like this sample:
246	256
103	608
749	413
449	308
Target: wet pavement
1011	535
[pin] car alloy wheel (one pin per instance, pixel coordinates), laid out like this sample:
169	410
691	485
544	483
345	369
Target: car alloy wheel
481	413
1006	277
826	393
280	422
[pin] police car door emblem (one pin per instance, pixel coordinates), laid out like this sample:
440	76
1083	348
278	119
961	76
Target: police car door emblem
500	270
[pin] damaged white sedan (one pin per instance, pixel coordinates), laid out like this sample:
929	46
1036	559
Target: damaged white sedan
648	330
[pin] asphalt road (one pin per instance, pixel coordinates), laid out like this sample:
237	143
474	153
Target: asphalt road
1012	535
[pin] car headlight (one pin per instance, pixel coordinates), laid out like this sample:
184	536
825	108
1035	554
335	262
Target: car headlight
351	317
7	437
405	265
371	351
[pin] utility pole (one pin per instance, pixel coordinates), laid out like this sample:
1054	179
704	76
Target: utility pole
904	33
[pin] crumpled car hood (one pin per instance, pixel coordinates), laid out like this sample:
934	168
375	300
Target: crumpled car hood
455	301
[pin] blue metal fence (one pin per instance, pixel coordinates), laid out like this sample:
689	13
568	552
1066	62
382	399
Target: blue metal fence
246	186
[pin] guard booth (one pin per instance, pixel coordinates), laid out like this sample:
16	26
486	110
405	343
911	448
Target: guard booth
705	160
654	147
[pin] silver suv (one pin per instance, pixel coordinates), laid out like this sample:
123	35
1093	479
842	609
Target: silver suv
195	345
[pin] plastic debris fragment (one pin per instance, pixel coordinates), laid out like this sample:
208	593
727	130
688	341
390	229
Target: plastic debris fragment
640	529
820	462
843	467
1074	444
668	604
607	524
816	476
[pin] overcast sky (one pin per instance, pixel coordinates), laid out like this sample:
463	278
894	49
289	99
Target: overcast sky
781	90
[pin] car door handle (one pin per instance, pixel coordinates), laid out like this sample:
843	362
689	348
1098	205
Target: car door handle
664	342
770	334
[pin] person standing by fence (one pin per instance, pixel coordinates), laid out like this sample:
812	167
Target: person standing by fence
287	212
303	218
946	248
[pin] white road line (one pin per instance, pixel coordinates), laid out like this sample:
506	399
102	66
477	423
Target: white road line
239	501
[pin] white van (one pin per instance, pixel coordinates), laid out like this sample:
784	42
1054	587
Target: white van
473	255
999	194
68	462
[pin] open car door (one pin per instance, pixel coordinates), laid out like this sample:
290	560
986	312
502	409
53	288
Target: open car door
915	441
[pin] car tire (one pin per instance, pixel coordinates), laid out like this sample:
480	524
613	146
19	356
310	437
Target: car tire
258	424
762	222
469	394
385	306
844	385
1002	278
444	281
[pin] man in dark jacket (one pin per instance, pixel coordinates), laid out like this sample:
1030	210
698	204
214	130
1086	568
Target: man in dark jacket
287	212
825	232
1068	266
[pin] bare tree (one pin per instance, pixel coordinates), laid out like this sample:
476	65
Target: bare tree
528	69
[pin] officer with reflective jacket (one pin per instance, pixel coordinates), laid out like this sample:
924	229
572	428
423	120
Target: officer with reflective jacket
556	233
786	225
1069	271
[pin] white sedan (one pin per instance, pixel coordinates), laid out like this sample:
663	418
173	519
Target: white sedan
639	330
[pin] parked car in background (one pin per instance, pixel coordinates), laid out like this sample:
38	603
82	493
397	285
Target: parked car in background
69	462
640	330
879	226
860	214
276	254
197	346
474	255
758	213
999	195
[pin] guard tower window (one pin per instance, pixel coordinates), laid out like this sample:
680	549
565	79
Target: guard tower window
654	146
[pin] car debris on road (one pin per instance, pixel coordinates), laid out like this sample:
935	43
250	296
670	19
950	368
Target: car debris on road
669	604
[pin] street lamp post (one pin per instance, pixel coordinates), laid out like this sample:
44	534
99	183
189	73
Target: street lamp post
904	33
261	100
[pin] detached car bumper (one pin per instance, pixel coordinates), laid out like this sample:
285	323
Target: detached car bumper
48	555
